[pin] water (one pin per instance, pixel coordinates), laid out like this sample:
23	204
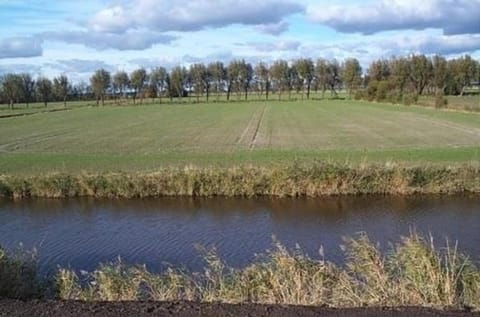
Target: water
80	233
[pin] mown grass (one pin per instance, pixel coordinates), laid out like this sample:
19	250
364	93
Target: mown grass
412	272
296	180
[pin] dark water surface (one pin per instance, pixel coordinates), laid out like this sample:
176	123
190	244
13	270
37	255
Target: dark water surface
80	233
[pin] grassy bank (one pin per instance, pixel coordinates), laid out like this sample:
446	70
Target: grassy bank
296	180
412	273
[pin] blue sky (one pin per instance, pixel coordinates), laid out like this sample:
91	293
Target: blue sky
77	37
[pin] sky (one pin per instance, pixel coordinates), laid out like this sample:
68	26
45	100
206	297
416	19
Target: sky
46	37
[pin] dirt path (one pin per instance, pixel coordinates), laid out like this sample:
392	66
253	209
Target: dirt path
188	309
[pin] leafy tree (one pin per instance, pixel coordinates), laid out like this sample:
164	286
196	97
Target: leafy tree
400	72
100	82
44	89
280	76
218	75
240	75
465	72
138	80
199	75
420	72
262	77
440	74
28	87
177	81
245	73
379	70
294	81
322	75
61	88
333	76
120	82
352	74
306	72
159	80
12	88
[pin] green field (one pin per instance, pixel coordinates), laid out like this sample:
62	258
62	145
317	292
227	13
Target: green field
147	137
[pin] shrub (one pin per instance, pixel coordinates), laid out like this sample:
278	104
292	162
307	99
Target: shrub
440	100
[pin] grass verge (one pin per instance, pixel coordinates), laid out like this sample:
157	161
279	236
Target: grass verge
296	180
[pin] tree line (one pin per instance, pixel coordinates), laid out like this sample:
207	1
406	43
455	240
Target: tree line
395	79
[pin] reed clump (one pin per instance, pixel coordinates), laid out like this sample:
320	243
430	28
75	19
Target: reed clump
18	275
412	273
296	180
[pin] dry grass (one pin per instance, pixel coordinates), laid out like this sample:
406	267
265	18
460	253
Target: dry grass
297	180
412	273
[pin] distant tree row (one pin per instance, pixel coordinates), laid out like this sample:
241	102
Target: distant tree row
391	79
403	80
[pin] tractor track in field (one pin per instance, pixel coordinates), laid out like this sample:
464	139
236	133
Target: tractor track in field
257	128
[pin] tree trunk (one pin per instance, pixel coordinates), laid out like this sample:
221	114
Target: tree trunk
65	101
267	90
103	101
308	90
246	93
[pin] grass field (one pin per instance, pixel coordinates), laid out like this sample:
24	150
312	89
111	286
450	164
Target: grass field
147	137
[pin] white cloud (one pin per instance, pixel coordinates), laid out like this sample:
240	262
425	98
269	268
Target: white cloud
275	46
81	66
273	28
20	47
428	44
186	15
451	16
131	40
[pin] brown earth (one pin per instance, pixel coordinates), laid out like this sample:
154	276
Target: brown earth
190	309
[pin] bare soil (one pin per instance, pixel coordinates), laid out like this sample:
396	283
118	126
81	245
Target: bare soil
191	309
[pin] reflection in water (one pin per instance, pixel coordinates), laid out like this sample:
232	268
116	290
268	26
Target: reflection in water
83	232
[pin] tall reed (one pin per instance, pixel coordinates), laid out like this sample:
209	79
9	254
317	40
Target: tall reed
296	180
